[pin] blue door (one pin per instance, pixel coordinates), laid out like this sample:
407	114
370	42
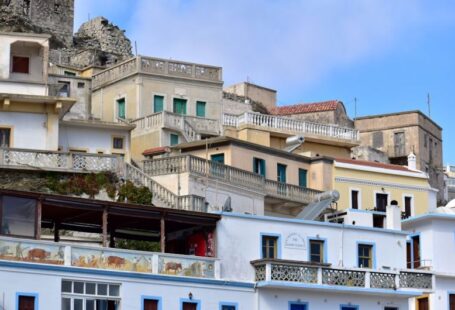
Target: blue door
281	173
302	178
299	307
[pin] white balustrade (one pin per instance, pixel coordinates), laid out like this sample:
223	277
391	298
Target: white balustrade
289	124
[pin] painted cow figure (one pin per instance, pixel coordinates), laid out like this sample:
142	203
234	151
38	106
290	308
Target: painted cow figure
37	254
172	267
116	261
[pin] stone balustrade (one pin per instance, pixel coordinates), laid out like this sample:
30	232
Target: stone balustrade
46	252
294	126
323	274
228	174
59	161
157	66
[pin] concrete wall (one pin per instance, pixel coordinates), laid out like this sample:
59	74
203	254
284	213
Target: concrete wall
254	92
28	130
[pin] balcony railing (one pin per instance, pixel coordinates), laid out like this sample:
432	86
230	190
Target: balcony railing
59	161
294	126
228	174
44	252
157	66
302	272
190	126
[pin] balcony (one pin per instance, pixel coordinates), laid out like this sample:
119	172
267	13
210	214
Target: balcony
157	66
292	126
51	253
324	275
58	161
191	127
243	178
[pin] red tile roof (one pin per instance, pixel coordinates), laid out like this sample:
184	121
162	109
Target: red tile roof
372	164
156	151
302	108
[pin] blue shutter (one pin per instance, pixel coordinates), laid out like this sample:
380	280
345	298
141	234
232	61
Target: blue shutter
200	108
158	104
302	178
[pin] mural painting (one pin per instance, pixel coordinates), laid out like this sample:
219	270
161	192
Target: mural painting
186	267
94	258
32	252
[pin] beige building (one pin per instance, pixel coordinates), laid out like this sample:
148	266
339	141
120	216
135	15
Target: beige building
399	134
170	102
252	93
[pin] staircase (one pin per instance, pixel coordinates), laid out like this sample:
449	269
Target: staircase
162	197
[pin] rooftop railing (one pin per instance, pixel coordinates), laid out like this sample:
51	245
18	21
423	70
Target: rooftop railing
157	66
228	174
295	126
46	252
64	161
305	272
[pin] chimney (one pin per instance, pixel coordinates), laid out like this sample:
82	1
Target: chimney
393	216
412	161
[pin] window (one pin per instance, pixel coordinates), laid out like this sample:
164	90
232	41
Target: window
121	112
391	308
69	73
5	137
80	85
259	166
174	139
17	216
365	256
150	303
407	206
158	103
381	202
228	306
80	295
27	302
303	177
218	158
26	7
270	247
117	143
200	108
179	106
354	199
64	89
298	306
317	251
349	307
20	65
281	173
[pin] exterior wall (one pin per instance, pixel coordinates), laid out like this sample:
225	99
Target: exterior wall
254	92
369	183
27	129
256	136
131	289
235	107
146	141
320	176
92	140
272	299
311	149
341	243
337	117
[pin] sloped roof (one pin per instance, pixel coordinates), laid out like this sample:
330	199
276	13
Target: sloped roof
302	108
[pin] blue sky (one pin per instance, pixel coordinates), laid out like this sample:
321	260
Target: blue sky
388	54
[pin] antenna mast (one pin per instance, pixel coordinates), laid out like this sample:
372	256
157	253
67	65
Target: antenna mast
429	104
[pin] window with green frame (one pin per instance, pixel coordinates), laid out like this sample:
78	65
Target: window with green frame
302	177
158	103
200	108
365	253
179	106
121	111
174	139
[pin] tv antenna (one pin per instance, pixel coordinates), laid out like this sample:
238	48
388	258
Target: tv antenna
429	104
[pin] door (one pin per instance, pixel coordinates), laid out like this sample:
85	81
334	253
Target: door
281	173
452	302
150	304
302	177
217	166
26	303
158	104
408	255
189	306
423	304
407	206
298	307
259	166
381	202
5	137
416	251
121	113
180	106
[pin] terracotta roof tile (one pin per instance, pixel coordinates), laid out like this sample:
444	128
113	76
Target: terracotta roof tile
156	150
302	108
372	164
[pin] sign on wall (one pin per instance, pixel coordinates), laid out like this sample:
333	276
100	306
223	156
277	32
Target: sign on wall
294	241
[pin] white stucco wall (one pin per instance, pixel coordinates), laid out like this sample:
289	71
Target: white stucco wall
242	234
23	88
29	130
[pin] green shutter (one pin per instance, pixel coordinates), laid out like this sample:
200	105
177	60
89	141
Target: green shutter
302	178
281	173
174	139
180	106
158	103
121	108
200	108
218	158
259	166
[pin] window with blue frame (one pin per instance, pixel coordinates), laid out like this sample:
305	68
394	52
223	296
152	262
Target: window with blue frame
27	301
174	139
298	306
200	108
158	103
281	173
365	255
228	306
317	251
269	246
259	166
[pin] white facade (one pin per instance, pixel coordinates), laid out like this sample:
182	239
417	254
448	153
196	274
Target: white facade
28	130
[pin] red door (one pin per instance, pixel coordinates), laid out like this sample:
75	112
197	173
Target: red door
26	303
150	304
189	306
452	302
423	304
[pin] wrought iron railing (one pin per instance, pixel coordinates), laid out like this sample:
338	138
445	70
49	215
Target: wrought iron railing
323	274
46	252
292	125
228	174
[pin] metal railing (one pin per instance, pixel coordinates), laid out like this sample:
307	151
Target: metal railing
228	174
158	66
46	252
65	161
304	272
294	126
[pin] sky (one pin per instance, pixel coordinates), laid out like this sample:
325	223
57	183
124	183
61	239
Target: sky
387	54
